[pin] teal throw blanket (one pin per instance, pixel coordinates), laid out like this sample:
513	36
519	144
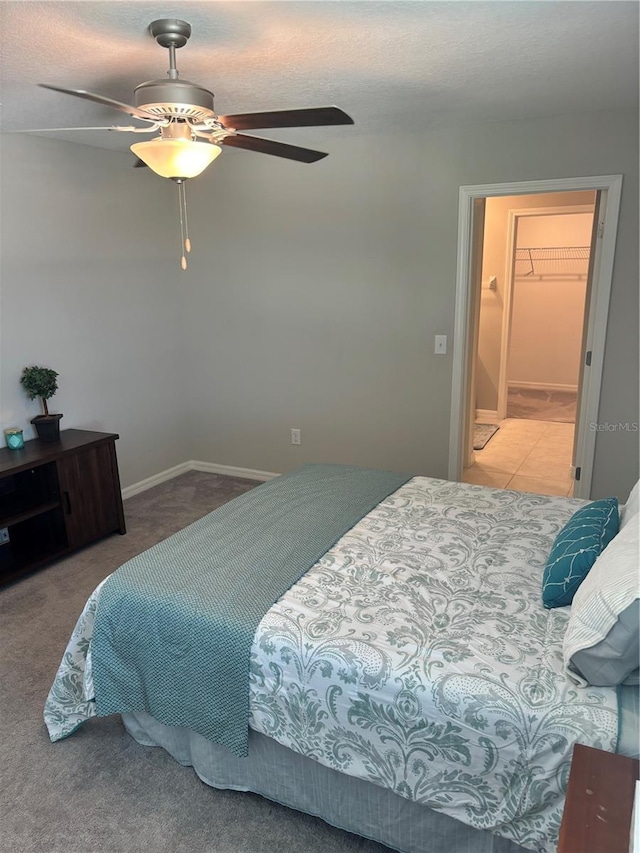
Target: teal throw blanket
175	625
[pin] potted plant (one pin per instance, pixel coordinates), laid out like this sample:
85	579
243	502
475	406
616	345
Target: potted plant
42	382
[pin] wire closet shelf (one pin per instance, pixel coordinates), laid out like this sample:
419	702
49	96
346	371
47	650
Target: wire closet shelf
552	262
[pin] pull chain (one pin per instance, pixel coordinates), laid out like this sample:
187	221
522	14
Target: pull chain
185	242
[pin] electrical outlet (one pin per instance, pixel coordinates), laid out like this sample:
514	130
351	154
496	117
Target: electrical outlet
295	436
4	535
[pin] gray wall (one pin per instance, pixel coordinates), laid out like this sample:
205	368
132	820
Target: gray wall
311	301
89	279
316	291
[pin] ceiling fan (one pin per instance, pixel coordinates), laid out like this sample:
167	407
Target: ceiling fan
191	134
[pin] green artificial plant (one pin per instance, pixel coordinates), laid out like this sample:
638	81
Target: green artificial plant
40	382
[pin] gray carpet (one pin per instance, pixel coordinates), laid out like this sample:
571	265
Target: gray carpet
98	791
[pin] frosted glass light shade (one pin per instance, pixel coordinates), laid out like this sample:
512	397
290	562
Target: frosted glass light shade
176	158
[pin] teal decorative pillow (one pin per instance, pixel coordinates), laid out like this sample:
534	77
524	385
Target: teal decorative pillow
581	540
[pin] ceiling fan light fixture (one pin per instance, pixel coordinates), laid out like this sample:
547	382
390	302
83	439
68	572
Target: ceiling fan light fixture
183	112
176	158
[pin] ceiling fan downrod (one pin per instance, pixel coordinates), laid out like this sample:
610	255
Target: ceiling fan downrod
172	34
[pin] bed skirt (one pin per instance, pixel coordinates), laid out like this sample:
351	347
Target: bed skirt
358	806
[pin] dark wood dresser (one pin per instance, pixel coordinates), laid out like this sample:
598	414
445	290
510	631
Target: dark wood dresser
597	813
56	497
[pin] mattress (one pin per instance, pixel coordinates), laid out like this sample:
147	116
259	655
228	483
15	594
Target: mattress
416	655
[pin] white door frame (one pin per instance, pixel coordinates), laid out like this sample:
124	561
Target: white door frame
509	279
598	309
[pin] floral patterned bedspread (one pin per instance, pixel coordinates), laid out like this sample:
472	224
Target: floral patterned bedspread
416	654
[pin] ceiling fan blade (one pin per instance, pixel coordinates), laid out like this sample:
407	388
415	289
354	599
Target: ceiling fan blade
101	99
311	117
270	146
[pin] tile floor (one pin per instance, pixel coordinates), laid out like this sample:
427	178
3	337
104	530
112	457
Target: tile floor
526	455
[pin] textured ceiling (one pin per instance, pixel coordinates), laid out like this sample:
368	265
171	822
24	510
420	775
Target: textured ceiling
407	65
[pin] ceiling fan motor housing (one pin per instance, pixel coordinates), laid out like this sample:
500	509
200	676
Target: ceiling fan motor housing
175	99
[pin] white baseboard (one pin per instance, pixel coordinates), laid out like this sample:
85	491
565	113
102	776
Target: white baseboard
155	480
484	416
232	471
195	465
542	386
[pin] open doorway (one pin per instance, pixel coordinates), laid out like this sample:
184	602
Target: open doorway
607	189
532	315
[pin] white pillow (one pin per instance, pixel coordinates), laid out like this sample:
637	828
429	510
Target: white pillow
632	506
606	594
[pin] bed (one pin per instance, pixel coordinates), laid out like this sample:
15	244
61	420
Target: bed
409	687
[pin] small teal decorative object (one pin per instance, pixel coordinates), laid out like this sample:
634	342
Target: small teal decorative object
576	548
14	438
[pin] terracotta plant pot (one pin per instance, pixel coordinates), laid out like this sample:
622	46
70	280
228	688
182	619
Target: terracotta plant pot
47	427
